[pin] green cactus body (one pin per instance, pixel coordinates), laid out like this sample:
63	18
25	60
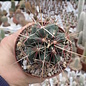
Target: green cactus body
13	5
80	7
42	35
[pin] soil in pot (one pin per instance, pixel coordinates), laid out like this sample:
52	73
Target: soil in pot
41	50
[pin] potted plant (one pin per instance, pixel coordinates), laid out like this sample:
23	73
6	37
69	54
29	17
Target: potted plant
41	51
80	25
82	34
81	18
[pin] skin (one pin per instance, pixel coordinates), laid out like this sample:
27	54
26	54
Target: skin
11	72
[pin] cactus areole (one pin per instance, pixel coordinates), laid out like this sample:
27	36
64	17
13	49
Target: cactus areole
41	51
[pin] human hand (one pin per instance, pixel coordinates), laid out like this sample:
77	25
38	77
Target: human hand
11	72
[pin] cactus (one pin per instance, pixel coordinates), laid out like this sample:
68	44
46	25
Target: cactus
80	38
1	14
11	11
77	61
4	12
4	20
76	65
63	80
22	4
80	7
42	50
82	34
2	34
74	83
81	80
13	5
73	49
28	6
20	18
84	53
72	74
80	22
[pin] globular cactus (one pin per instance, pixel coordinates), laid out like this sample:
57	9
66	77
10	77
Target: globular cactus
42	36
42	49
4	20
80	7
